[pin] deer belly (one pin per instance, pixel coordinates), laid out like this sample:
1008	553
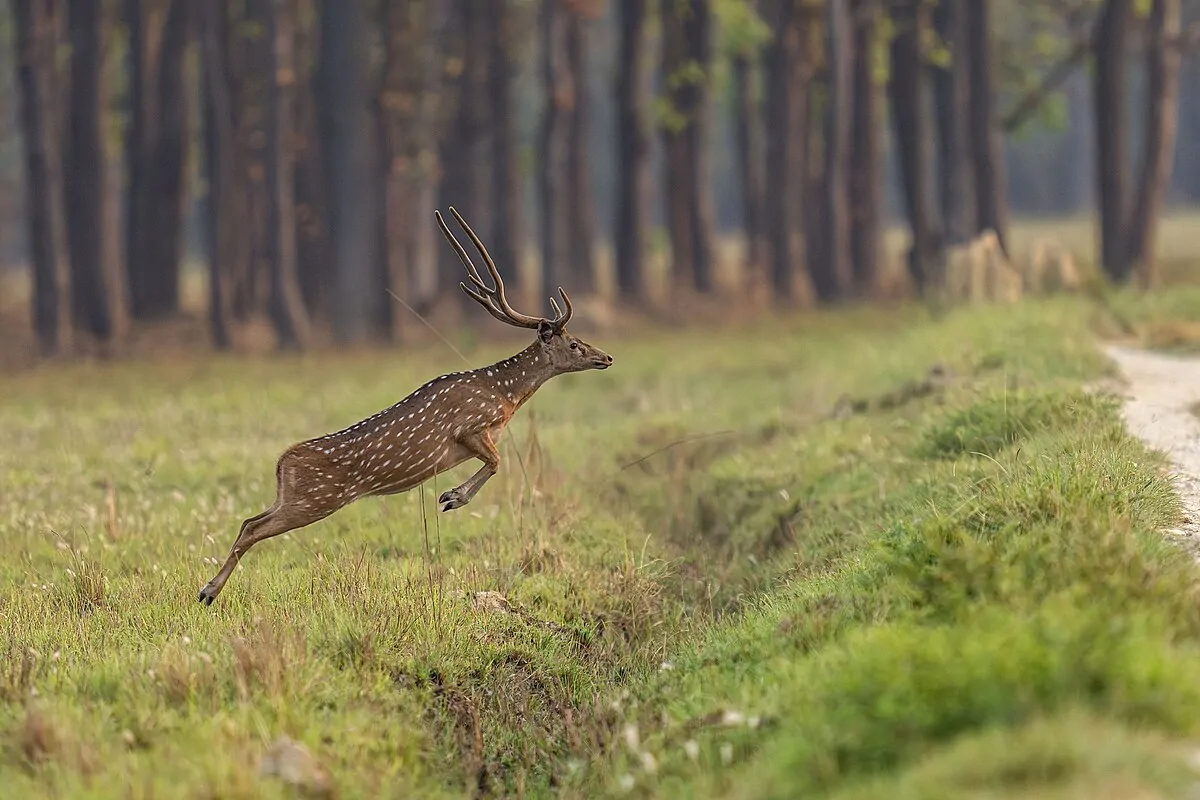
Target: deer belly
410	469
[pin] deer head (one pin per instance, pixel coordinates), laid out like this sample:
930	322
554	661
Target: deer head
563	351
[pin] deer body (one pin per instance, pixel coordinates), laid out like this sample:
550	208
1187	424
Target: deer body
447	421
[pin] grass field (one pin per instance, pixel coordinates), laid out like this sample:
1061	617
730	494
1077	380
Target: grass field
783	560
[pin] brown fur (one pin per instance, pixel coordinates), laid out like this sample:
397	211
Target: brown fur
451	419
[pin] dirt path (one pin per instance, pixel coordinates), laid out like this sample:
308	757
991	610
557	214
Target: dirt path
1160	392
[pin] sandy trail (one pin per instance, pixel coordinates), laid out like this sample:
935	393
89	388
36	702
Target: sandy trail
1160	392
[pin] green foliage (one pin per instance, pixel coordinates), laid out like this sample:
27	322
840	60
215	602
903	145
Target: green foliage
777	601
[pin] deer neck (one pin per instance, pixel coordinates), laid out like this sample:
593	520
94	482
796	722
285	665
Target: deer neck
521	375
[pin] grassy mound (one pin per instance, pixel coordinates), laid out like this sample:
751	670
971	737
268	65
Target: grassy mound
702	573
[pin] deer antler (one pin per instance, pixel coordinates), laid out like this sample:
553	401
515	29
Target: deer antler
494	300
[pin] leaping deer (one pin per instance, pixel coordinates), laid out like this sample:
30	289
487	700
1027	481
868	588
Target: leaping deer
447	421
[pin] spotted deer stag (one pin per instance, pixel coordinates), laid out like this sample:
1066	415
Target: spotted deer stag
447	421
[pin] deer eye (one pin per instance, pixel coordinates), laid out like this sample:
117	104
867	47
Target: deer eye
574	345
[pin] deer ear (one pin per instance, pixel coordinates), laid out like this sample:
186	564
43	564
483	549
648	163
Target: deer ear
545	331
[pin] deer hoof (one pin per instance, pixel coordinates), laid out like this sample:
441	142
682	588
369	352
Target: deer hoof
451	500
207	595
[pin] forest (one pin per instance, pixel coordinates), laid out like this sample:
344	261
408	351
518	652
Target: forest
290	153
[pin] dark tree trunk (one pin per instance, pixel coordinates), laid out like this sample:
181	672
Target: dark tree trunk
686	66
228	236
468	180
912	141
35	48
158	167
85	171
952	99
581	205
635	180
832	273
748	132
987	138
697	98
1162	120
786	124
508	221
312	251
866	151
1112	137
287	305
349	153
552	162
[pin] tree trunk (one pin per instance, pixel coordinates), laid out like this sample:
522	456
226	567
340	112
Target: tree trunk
508	221
698	33
677	180
85	164
348	149
832	274
952	100
228	237
158	167
581	205
635	180
1112	136
1162	119
312	251
787	119
552	164
35	47
467	182
748	134
686	67
987	138
912	141
866	151
287	304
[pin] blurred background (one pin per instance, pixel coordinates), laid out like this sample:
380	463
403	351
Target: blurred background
261	174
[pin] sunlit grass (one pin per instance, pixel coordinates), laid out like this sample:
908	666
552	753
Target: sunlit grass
698	573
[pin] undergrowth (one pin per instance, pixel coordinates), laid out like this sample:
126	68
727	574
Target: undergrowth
727	567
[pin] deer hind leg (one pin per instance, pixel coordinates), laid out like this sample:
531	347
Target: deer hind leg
289	512
481	446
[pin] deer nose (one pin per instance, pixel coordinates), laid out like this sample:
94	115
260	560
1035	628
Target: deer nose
607	359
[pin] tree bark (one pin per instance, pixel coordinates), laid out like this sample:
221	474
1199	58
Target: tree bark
952	100
686	66
158	166
748	134
786	121
1162	120
228	237
467	183
508	219
581	205
312	236
832	274
1112	136
552	164
866	180
349	153
912	141
635	180
287	305
35	47
85	165
986	135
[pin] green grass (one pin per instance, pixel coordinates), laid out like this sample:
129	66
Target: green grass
718	586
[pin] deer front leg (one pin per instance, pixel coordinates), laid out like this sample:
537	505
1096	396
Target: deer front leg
482	447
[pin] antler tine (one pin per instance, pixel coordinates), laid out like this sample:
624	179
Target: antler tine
497	294
463	256
565	318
